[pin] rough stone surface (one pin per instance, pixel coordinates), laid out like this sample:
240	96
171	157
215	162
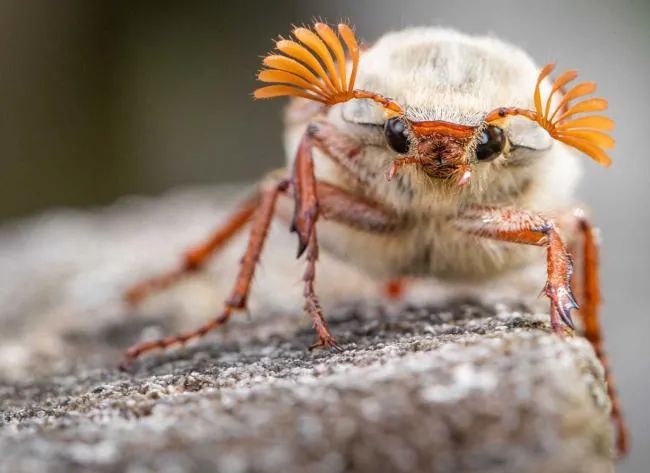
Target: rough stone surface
447	380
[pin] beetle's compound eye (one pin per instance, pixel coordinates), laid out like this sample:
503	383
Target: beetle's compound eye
491	143
396	135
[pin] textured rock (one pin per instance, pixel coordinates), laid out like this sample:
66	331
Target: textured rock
448	380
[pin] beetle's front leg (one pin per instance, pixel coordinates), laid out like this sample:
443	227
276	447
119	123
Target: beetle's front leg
315	197
305	215
530	228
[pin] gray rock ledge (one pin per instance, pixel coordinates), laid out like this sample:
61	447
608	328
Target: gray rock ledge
454	385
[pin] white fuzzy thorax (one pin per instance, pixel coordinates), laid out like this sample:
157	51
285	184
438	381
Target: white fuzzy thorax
441	74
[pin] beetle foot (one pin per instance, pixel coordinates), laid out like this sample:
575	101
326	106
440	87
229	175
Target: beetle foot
562	302
326	342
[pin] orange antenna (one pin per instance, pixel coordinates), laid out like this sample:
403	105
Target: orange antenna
313	66
586	133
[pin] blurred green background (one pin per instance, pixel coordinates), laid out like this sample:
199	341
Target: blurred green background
105	98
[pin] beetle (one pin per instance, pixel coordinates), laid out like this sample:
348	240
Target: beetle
409	157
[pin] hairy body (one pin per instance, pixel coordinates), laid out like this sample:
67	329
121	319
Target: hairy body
437	74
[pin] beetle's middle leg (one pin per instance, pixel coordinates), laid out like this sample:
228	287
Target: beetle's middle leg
196	257
238	297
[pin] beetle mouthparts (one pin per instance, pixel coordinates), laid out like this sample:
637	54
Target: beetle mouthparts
464	177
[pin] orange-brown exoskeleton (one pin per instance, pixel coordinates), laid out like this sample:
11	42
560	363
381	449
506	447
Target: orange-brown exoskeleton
418	152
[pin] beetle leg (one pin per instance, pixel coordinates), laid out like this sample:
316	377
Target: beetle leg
306	212
590	316
312	305
394	289
313	198
342	149
238	297
196	257
529	228
303	184
337	205
355	211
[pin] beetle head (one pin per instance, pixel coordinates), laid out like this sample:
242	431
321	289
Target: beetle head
444	143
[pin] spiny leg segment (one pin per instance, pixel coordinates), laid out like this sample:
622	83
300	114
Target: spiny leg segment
529	228
312	305
238	297
306	213
533	229
589	313
196	257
